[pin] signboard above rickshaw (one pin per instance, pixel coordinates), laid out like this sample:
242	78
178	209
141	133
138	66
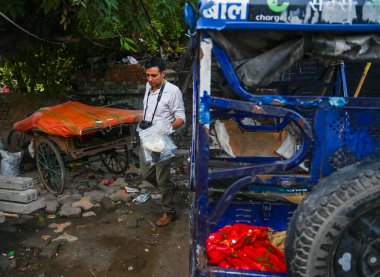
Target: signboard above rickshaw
289	14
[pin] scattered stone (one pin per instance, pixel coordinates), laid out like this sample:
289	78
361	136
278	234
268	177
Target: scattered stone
50	250
85	204
59	227
88	214
66	236
81	180
64	198
51	205
74	191
121	195
66	205
119	182
95	195
76	196
70	211
108	189
92	183
108	204
82	188
49	196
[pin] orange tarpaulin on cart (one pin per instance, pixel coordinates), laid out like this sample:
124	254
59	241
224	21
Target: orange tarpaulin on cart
75	119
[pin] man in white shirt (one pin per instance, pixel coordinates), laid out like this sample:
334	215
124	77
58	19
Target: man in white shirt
162	102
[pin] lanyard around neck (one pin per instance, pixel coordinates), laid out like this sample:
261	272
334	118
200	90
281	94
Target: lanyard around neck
158	100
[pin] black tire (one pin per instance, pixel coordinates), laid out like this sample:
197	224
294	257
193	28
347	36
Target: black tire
335	231
116	160
18	140
50	166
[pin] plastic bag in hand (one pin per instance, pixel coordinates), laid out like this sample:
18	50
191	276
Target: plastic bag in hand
157	144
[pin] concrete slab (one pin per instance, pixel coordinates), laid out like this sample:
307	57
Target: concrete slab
25	196
16	183
22	208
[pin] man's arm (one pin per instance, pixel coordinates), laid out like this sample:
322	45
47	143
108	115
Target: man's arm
177	123
178	109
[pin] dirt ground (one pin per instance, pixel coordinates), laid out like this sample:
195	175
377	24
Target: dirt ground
122	242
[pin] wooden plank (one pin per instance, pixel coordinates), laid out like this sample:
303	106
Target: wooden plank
16	183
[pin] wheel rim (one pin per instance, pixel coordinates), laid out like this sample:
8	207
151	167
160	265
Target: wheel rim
50	167
358	251
116	160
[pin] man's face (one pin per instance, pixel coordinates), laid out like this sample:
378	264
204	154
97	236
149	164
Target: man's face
154	77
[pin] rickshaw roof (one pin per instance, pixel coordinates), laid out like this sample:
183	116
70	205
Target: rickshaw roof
297	15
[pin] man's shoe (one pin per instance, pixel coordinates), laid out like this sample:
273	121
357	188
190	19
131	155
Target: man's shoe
166	219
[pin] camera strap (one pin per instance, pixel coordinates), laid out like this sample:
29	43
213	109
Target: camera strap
158	100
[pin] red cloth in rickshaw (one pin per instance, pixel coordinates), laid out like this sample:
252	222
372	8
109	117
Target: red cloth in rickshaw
246	247
75	118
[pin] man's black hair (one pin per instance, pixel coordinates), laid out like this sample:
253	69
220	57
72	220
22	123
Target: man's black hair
155	61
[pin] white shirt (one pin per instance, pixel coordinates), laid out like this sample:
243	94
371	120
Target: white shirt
170	106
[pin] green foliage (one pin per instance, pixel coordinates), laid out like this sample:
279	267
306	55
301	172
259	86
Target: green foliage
84	25
14	8
46	70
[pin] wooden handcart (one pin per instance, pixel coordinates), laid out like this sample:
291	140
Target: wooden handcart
111	141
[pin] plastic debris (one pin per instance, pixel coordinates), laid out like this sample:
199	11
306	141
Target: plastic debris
142	198
10	163
131	190
10	254
106	182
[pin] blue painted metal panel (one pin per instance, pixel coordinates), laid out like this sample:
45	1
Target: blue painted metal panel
297	15
343	137
256	214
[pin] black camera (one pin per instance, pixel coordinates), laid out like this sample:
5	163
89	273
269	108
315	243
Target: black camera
145	124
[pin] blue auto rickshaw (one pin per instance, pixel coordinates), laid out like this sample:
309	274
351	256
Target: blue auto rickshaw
286	130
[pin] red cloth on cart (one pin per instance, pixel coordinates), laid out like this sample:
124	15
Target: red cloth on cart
74	119
246	247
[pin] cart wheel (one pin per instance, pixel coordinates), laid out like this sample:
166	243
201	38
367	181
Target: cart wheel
50	166
18	140
116	160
